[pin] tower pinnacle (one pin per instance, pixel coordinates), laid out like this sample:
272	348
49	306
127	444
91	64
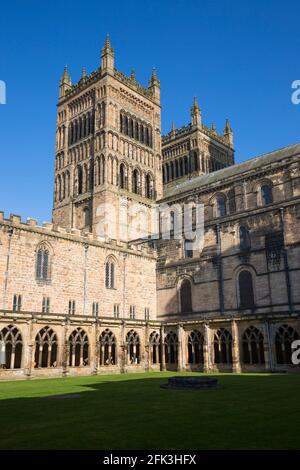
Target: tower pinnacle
65	83
107	56
154	85
196	113
228	133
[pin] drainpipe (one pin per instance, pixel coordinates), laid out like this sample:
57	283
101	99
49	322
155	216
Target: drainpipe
86	247
124	286
220	269
10	231
286	263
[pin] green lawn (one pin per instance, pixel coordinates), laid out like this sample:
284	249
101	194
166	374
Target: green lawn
132	412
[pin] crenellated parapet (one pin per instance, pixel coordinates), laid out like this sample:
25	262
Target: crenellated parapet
48	229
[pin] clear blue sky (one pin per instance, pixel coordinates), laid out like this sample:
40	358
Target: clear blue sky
238	57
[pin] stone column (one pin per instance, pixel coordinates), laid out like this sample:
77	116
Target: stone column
236	365
65	351
147	348
180	358
206	349
29	350
267	352
96	349
162	343
123	349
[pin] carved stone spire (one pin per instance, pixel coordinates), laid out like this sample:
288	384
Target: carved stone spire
107	56
228	133
65	83
196	114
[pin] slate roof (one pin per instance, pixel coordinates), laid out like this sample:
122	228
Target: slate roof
233	170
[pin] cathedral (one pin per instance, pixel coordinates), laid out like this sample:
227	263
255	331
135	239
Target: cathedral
115	283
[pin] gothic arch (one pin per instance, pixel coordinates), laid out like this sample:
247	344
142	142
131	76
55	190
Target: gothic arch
11	344
108	348
171	348
253	346
222	347
155	347
46	345
79	348
133	347
195	347
284	337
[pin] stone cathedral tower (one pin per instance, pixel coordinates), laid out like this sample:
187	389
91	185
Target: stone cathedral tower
108	152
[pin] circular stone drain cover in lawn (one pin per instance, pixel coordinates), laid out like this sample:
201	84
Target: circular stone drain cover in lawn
194	383
70	395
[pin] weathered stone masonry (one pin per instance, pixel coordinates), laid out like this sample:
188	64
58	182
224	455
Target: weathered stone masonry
78	298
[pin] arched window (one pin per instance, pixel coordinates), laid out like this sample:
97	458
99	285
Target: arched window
186	296
148	186
245	241
133	347
220	206
246	292
108	351
135	182
110	274
171	348
45	348
42	263
223	347
155	347
122	176
79	180
102	170
284	337
79	348
266	194
11	346
253	346
195	348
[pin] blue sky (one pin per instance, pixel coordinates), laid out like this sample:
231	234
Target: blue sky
238	58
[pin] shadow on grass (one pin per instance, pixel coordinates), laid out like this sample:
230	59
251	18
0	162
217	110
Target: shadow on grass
133	412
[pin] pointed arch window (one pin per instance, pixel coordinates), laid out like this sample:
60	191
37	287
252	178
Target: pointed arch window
195	348
43	263
107	342
79	348
253	346
46	348
11	346
135	182
133	347
223	347
122	177
110	274
284	338
171	348
155	347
